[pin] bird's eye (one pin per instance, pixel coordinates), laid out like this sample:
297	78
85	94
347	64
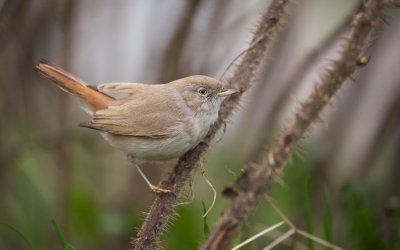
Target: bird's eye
202	91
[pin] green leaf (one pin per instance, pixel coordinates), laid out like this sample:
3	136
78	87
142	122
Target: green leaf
65	245
206	228
20	234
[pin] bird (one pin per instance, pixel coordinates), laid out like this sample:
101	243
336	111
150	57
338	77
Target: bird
152	122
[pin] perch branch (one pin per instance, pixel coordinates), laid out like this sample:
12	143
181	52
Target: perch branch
294	81
163	207
247	191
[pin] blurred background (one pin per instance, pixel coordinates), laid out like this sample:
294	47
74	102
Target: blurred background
59	179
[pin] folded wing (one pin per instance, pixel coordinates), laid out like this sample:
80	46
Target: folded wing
143	113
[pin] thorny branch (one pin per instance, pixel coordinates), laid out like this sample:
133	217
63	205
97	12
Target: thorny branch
164	205
247	191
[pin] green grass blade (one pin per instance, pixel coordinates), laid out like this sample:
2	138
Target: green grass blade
308	210
206	228
21	235
327	217
65	245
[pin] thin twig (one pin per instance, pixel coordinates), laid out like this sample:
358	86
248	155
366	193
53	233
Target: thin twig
265	231
279	212
203	173
254	181
254	43
285	236
281	238
164	205
318	240
299	231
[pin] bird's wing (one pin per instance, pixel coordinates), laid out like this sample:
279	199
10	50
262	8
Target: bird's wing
120	87
137	118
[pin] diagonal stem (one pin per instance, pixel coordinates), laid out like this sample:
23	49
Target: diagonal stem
163	207
247	192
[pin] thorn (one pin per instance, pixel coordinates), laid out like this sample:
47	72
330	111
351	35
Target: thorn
271	160
352	78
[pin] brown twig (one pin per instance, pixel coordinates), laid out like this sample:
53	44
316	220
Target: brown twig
257	178
294	81
163	206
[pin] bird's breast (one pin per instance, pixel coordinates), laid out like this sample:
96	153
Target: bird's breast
190	132
199	126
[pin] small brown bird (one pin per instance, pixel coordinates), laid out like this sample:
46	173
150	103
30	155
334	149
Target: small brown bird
155	122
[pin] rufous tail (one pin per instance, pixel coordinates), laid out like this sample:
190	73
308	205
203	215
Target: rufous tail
92	98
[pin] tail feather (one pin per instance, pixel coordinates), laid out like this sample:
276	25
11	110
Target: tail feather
92	98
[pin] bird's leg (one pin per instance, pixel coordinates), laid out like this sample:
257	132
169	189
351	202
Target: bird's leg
154	189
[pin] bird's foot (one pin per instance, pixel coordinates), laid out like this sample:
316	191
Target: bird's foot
154	189
158	190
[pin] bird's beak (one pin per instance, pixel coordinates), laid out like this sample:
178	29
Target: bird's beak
227	92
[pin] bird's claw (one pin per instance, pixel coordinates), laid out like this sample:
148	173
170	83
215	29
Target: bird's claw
158	190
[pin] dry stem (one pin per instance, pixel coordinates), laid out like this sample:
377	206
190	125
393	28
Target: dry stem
295	79
163	206
257	178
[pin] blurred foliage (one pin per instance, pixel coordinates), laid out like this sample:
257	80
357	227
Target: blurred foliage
364	229
309	212
327	217
65	245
